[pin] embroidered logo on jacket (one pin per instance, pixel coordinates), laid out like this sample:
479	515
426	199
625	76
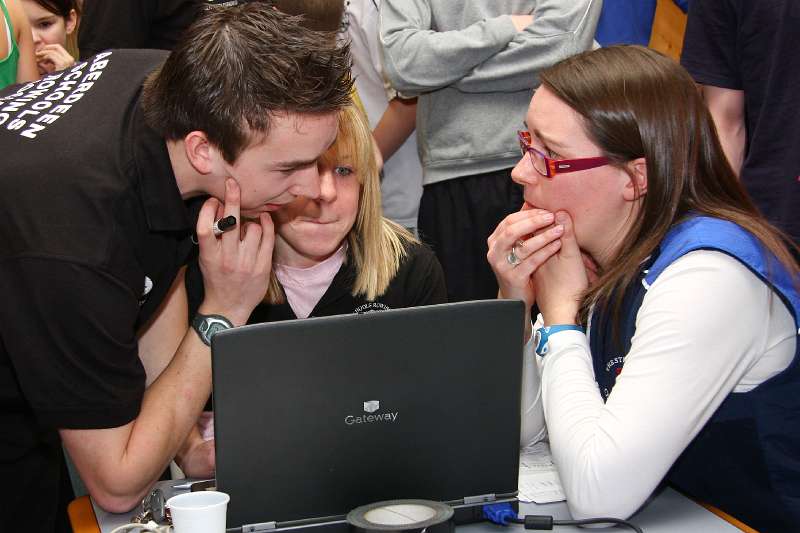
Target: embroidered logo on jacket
371	307
614	368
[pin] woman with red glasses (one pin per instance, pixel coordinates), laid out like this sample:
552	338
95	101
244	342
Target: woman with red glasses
666	347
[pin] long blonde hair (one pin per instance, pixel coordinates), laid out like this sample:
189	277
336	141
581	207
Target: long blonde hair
377	246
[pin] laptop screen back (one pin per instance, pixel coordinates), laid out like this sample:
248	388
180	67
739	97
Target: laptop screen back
316	417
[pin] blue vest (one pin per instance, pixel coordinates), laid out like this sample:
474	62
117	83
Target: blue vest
746	460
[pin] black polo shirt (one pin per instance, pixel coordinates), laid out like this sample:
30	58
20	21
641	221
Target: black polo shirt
138	23
94	231
752	46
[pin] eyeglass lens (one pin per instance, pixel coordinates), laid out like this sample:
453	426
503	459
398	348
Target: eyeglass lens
537	158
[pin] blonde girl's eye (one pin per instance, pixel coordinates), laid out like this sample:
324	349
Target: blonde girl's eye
343	171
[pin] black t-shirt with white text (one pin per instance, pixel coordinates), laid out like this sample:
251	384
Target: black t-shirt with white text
138	23
94	233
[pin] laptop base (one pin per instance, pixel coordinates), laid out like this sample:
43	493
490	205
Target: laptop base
462	514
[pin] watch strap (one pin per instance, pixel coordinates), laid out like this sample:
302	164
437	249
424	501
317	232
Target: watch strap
207	326
542	336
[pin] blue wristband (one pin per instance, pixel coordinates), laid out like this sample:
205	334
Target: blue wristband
541	336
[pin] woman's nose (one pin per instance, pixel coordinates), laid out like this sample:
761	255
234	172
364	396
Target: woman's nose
524	173
327	185
37	39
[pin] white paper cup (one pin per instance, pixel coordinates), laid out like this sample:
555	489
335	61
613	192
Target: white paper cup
199	512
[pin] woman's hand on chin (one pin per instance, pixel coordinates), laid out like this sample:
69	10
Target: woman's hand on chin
518	246
561	281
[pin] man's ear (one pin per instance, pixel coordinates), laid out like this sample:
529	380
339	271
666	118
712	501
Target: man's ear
199	151
637	185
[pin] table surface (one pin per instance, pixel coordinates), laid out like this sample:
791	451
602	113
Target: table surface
668	512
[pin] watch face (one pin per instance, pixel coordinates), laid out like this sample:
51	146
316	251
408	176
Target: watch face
209	325
214	328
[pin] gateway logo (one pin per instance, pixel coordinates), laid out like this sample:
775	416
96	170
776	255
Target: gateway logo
370	407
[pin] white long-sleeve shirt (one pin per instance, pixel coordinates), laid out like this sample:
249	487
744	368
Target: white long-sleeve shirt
706	327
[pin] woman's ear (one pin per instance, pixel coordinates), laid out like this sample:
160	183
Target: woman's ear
71	21
637	185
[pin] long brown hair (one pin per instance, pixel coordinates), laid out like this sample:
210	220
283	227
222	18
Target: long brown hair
639	103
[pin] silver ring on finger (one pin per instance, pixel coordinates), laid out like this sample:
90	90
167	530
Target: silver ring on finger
512	258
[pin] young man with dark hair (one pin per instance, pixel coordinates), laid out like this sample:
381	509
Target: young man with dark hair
94	178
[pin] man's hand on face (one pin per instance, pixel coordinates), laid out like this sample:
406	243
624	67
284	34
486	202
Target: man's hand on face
236	265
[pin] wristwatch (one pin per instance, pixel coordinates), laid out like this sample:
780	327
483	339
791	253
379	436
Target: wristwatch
207	326
541	336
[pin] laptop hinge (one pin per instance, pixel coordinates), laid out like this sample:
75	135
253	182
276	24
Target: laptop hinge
479	499
256	528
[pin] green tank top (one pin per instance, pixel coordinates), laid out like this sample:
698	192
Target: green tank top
8	66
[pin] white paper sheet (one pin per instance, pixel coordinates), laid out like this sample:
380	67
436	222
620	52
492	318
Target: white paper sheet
538	476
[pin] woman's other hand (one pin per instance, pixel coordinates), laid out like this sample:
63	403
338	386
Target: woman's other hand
561	281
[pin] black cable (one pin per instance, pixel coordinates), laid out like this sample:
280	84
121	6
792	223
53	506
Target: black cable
543	522
588	521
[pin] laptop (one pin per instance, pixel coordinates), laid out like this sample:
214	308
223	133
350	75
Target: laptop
316	417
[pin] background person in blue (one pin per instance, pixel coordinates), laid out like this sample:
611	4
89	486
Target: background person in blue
628	21
689	371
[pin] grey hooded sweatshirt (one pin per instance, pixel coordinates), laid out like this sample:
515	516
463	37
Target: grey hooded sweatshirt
474	73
